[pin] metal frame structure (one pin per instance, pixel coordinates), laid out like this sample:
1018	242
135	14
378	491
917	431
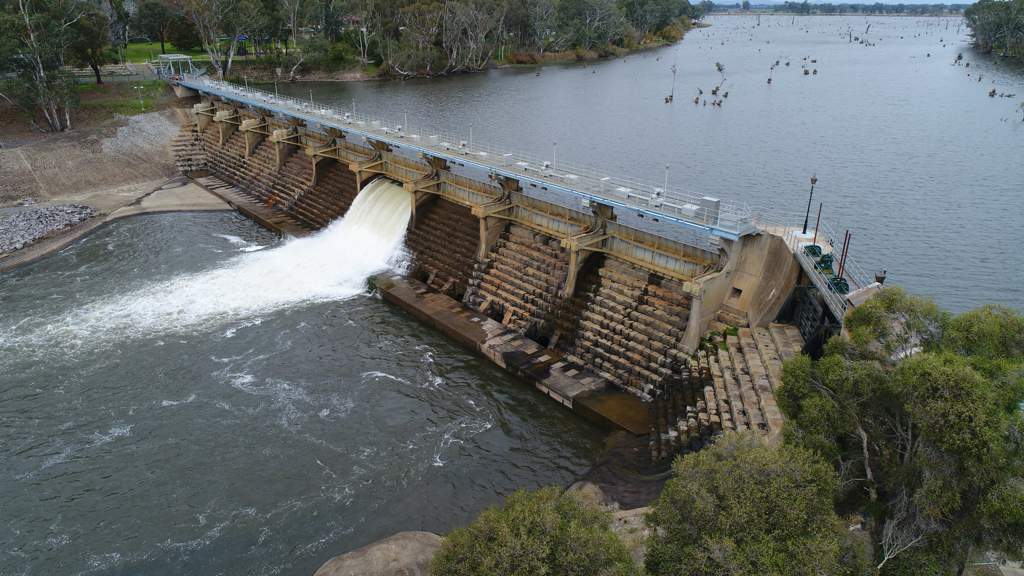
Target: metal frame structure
170	66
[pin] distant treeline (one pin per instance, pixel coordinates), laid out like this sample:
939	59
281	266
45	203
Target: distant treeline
426	37
812	8
876	8
41	39
998	26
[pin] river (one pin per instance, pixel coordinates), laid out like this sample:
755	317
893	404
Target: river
262	441
146	432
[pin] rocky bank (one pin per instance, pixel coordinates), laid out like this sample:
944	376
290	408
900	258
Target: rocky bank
19	227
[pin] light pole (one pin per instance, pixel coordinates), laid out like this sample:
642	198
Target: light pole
814	180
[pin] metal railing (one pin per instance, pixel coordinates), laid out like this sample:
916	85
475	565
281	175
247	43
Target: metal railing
789	226
727	219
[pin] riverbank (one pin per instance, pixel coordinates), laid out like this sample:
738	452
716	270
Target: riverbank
175	195
411	553
102	161
110	165
261	72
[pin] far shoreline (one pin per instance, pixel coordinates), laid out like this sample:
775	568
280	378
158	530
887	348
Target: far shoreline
567	57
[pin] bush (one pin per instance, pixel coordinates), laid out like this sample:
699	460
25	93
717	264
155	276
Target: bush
743	508
535	534
325	55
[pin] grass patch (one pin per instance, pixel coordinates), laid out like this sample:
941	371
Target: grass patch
123	97
139	52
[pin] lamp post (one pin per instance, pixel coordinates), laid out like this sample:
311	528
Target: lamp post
814	180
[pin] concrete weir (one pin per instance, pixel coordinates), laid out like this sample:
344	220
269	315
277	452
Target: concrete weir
622	324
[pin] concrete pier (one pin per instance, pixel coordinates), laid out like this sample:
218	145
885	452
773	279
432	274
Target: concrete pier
565	382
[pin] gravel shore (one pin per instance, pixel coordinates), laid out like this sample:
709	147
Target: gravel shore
19	227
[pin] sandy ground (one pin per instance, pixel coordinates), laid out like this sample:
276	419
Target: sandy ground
105	166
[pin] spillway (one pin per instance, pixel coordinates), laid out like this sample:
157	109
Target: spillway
332	264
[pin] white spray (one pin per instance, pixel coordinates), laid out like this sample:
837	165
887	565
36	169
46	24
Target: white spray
332	264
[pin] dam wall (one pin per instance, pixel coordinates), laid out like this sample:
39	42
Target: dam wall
577	300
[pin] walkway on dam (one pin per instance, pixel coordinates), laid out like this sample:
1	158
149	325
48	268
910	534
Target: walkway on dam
729	220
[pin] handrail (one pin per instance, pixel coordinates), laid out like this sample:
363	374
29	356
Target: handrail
723	218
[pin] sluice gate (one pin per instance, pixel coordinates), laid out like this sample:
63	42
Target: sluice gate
563	293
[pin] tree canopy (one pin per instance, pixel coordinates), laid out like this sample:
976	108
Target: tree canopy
920	412
38	35
154	18
997	25
742	507
91	43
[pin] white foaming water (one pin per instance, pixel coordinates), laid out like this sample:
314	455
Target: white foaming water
332	264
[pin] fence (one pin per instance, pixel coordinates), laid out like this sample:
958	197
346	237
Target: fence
724	218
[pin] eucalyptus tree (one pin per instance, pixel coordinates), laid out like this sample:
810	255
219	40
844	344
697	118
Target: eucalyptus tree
648	16
222	25
591	23
997	25
744	508
155	18
91	44
365	18
37	37
920	413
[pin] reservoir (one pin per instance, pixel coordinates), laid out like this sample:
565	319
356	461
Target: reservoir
909	150
187	393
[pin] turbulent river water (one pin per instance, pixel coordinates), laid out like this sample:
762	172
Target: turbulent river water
180	394
184	394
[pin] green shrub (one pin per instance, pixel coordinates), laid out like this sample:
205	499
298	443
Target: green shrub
325	55
744	508
536	534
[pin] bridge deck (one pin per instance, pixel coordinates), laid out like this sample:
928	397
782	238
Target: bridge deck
704	214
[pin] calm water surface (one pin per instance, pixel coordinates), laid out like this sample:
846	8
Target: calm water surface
910	152
266	443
